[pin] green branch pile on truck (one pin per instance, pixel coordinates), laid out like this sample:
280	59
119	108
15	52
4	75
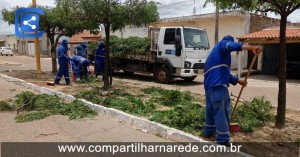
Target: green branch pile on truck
166	53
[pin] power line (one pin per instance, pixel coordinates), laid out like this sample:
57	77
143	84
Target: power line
177	9
173	7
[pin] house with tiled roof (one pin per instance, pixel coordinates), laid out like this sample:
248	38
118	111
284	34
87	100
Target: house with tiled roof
268	62
84	36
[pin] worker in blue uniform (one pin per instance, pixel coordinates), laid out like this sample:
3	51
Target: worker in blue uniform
63	61
75	49
217	78
82	49
100	59
80	66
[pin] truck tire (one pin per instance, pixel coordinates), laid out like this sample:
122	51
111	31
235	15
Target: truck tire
189	79
163	75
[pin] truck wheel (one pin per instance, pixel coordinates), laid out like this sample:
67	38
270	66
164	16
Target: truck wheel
189	79
162	75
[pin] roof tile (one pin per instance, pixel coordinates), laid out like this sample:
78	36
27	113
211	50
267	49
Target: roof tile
272	33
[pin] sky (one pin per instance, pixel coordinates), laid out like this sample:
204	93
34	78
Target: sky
166	8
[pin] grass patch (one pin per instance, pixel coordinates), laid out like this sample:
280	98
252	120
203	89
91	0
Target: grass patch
184	116
131	104
89	80
40	106
5	106
178	109
31	116
169	97
90	95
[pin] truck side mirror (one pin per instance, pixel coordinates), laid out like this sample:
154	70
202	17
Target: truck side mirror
178	46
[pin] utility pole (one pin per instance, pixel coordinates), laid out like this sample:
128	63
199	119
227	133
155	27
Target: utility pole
194	9
37	49
217	23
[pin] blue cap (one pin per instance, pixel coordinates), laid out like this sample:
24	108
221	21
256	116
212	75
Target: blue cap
65	41
101	44
229	38
84	43
86	62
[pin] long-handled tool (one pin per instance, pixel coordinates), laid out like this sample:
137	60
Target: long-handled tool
234	127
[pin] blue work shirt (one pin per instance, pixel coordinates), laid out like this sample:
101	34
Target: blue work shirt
81	51
217	65
77	64
100	54
62	54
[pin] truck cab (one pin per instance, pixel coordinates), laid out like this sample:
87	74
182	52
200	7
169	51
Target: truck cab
181	52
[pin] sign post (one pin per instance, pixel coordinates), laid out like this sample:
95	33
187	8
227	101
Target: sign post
37	49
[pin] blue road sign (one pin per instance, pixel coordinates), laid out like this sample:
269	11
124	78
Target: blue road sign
27	22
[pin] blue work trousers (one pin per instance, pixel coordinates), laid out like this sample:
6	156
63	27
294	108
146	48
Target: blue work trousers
100	66
63	71
217	118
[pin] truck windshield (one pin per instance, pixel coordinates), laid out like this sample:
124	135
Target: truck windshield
195	38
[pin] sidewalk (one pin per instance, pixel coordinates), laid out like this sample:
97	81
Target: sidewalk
60	129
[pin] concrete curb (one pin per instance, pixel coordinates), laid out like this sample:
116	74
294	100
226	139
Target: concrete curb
144	124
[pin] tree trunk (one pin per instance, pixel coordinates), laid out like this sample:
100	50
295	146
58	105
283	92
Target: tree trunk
107	59
54	63
217	23
53	49
280	118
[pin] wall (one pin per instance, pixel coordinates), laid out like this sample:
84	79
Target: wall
2	40
11	41
24	48
259	22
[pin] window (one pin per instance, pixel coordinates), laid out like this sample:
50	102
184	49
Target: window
195	38
169	36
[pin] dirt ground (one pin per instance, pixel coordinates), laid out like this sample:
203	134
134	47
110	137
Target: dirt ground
267	133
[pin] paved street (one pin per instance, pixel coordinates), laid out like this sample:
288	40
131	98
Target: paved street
258	85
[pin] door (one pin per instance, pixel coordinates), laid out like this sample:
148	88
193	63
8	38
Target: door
167	46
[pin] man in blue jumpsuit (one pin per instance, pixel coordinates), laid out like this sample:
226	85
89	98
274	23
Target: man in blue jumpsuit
80	66
100	59
217	78
81	49
63	61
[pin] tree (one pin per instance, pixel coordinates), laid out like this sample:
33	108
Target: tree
56	22
284	8
115	15
217	19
